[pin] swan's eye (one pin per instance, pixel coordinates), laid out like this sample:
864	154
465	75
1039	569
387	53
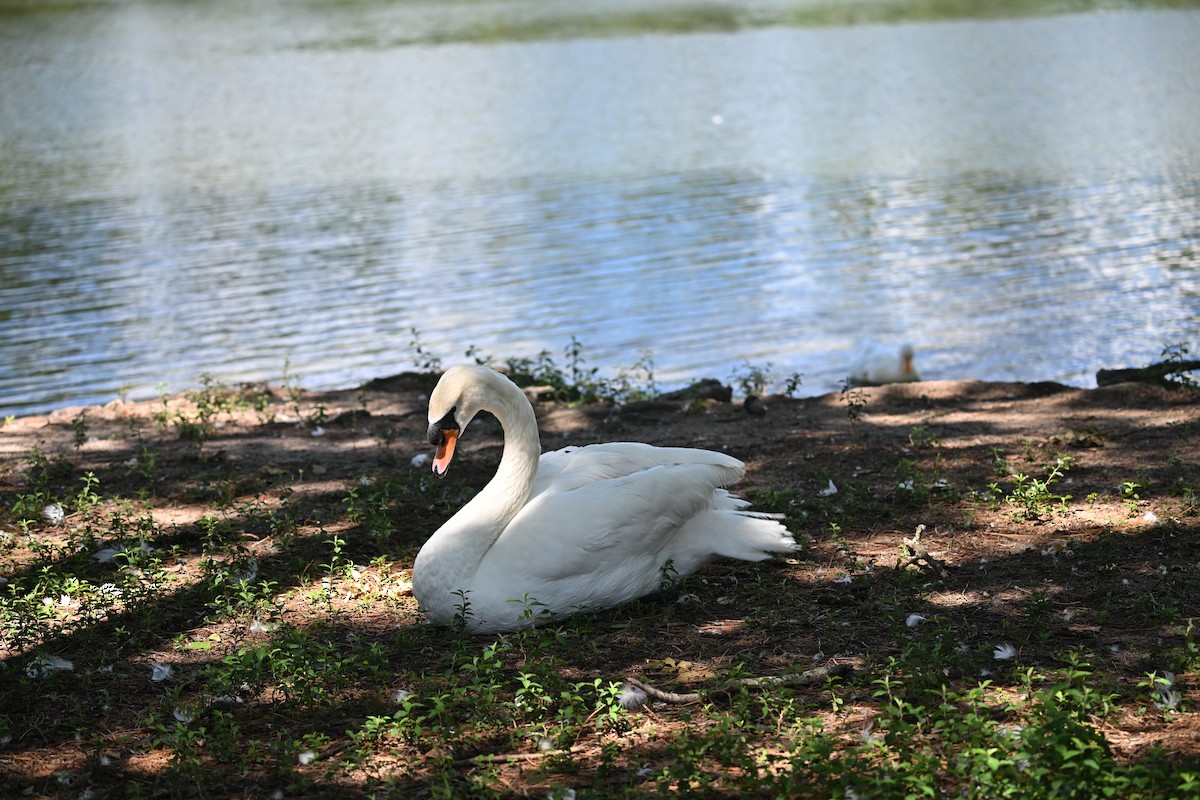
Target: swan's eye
446	423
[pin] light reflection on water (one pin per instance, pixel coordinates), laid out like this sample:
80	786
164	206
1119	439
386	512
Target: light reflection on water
768	197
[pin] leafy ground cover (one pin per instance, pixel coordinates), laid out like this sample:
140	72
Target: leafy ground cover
207	595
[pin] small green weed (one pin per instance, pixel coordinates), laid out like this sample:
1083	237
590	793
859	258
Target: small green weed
1176	355
855	399
1031	497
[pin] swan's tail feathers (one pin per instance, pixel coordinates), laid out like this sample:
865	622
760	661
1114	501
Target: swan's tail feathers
763	515
744	535
732	531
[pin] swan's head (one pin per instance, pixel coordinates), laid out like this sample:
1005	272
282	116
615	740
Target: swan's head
906	363
460	394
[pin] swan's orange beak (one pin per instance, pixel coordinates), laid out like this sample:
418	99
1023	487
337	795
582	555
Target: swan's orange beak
445	452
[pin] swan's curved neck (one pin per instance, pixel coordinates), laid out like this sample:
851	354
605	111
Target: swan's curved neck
508	490
470	533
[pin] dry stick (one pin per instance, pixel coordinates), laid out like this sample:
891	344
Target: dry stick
510	758
917	553
806	678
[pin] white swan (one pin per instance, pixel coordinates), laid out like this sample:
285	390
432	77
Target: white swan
582	528
872	364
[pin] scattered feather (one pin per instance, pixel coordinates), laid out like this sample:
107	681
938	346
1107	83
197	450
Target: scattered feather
161	672
828	491
307	757
1166	696
844	579
1150	517
401	695
258	626
247	572
53	513
630	697
420	460
1004	652
42	666
182	716
914	620
684	599
317	431
107	554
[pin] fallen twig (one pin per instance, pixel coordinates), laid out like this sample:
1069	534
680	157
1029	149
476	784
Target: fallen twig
918	555
510	758
806	678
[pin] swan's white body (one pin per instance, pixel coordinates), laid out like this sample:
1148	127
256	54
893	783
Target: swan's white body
583	528
872	364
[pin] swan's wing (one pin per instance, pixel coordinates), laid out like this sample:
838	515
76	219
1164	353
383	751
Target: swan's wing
608	520
576	467
603	526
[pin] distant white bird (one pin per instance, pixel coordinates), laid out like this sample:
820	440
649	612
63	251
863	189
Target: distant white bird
872	364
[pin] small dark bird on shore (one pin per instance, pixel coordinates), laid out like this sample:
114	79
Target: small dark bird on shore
754	407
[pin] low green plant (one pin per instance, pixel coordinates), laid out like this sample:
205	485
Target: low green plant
423	359
922	437
855	399
1031	497
577	383
79	425
1176	355
758	379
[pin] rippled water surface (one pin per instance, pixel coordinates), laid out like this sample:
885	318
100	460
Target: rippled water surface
229	188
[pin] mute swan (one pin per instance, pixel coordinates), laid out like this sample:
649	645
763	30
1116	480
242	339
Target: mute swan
578	529
872	364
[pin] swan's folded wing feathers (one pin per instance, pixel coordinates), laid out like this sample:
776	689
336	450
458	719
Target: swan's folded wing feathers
633	516
577	467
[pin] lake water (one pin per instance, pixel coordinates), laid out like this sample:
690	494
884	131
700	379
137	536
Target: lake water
238	189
